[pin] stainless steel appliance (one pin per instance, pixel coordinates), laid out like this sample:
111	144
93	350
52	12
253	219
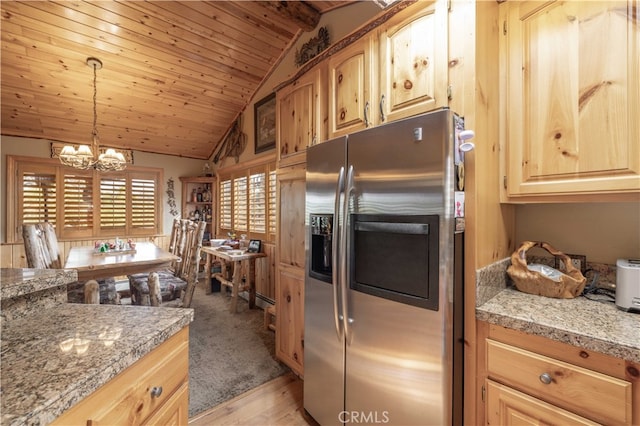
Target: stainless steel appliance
628	285
383	318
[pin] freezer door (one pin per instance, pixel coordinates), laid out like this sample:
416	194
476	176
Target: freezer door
323	341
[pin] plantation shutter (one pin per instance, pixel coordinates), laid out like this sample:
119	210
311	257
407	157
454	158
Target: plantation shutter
240	204
82	203
77	204
38	199
272	202
143	204
258	202
224	205
113	204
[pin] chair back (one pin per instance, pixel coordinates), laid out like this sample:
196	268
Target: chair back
176	245
41	246
191	259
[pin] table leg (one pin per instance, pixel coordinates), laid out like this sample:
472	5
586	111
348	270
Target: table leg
207	274
236	286
251	277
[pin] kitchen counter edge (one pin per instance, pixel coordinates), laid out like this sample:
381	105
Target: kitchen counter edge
587	324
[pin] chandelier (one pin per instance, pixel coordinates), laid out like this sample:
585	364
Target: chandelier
89	157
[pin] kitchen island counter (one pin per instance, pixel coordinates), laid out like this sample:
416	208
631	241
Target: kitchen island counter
55	357
18	282
584	323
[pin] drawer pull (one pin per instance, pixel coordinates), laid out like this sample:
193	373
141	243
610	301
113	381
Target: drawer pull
156	391
545	378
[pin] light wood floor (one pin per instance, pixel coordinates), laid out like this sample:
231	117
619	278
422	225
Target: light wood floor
275	403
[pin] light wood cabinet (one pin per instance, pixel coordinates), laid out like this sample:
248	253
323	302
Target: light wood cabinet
394	72
413	62
530	379
571	99
351	88
154	390
290	267
301	107
199	201
290	318
508	407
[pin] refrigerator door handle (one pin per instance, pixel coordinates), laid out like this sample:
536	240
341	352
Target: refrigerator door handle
344	269
335	258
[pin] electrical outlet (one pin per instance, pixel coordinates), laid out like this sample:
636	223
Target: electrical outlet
579	262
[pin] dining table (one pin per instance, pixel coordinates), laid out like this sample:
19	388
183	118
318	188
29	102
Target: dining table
93	264
233	259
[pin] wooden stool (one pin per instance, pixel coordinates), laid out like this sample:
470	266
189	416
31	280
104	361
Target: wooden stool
270	318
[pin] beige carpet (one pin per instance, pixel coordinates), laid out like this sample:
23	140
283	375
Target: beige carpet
229	354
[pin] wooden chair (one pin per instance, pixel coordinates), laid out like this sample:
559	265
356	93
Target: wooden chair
42	252
173	288
41	246
138	283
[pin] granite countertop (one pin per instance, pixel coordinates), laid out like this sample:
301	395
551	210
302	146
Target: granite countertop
20	282
55	353
588	324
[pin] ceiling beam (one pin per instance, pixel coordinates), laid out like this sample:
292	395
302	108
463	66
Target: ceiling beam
299	12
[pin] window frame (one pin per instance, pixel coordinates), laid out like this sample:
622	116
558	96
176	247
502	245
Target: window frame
230	174
16	165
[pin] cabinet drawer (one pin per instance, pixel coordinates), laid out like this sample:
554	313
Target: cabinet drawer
508	407
127	399
588	393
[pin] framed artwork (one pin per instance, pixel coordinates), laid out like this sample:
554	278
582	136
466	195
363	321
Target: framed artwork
265	123
254	246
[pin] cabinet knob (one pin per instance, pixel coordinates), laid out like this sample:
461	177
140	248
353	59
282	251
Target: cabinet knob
156	391
545	378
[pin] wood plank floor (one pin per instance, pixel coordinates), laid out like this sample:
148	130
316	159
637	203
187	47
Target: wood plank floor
275	403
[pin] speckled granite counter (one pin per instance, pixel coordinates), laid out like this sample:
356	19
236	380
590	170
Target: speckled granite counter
23	291
588	324
54	357
19	282
51	360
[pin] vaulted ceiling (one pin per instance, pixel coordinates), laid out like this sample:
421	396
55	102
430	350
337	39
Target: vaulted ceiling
175	74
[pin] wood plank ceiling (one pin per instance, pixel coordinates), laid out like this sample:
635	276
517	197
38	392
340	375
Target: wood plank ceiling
175	74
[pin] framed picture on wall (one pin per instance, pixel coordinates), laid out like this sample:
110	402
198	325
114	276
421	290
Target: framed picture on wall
254	246
265	123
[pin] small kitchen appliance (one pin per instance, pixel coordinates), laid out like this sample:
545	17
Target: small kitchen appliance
628	285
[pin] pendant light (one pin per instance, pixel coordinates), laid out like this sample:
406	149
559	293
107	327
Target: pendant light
89	157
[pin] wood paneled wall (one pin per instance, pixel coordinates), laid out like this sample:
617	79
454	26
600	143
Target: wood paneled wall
266	272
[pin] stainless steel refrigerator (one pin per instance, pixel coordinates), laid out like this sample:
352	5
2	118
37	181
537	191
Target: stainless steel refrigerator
383	288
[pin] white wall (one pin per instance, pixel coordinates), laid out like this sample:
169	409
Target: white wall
603	232
174	167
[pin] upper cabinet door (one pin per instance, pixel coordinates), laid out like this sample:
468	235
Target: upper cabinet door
299	117
413	62
572	89
350	88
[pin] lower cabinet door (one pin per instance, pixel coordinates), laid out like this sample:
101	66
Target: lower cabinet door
507	407
175	411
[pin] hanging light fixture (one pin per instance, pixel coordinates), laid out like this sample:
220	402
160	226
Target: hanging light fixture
89	157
